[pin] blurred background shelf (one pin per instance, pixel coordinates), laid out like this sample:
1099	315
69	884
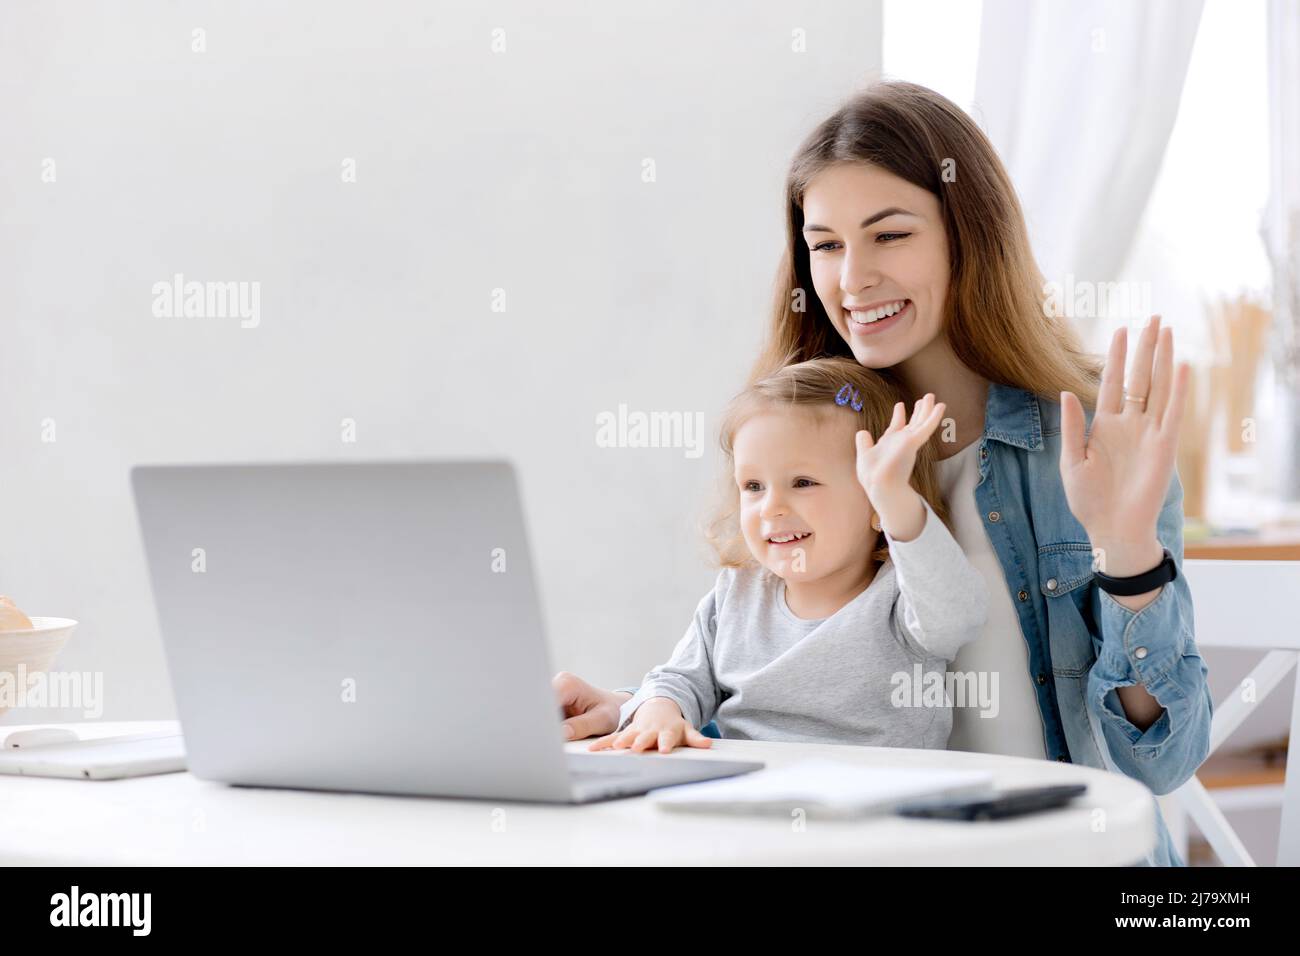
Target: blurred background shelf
1280	544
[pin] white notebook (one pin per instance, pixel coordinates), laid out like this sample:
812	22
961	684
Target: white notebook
822	787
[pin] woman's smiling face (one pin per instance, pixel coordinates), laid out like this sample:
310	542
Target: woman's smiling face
878	255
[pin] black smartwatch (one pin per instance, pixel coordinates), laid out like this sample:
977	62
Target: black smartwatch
1161	574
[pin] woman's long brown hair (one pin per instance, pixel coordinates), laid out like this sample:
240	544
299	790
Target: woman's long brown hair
995	317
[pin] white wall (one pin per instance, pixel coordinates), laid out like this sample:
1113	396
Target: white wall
519	170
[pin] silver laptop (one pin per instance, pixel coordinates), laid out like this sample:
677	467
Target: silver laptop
368	627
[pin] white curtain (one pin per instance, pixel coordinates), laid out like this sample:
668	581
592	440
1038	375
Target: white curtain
1282	233
1079	99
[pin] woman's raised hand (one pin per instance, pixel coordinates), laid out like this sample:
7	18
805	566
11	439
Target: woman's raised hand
1116	477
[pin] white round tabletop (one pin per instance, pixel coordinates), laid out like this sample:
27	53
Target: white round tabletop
177	819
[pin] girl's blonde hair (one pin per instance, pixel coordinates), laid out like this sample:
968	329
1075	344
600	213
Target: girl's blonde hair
995	312
812	386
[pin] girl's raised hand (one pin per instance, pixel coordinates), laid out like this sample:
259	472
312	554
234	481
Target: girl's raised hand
886	465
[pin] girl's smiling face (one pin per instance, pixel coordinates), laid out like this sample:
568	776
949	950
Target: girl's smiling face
803	512
878	255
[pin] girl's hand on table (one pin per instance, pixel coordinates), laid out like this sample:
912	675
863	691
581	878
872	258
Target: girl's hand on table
657	723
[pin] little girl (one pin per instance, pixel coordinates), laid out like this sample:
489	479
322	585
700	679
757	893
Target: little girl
816	630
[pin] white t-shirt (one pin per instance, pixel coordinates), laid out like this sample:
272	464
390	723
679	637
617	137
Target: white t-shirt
1017	729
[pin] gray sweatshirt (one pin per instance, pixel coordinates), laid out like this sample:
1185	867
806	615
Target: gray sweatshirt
865	675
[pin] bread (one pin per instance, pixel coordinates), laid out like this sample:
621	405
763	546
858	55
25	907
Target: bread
12	619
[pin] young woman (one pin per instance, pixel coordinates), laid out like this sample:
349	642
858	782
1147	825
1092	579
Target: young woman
907	250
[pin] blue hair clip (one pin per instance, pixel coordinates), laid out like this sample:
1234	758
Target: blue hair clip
848	395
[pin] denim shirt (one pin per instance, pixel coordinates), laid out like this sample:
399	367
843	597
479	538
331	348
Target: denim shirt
1083	643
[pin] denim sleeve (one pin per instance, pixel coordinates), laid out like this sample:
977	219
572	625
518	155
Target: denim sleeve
1155	647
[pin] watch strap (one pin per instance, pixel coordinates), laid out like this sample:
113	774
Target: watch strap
1161	574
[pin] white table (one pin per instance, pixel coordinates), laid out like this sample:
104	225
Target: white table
176	819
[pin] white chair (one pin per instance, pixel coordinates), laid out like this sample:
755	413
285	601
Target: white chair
1247	605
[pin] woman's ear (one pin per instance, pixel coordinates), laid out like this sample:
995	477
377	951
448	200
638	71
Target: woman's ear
875	520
